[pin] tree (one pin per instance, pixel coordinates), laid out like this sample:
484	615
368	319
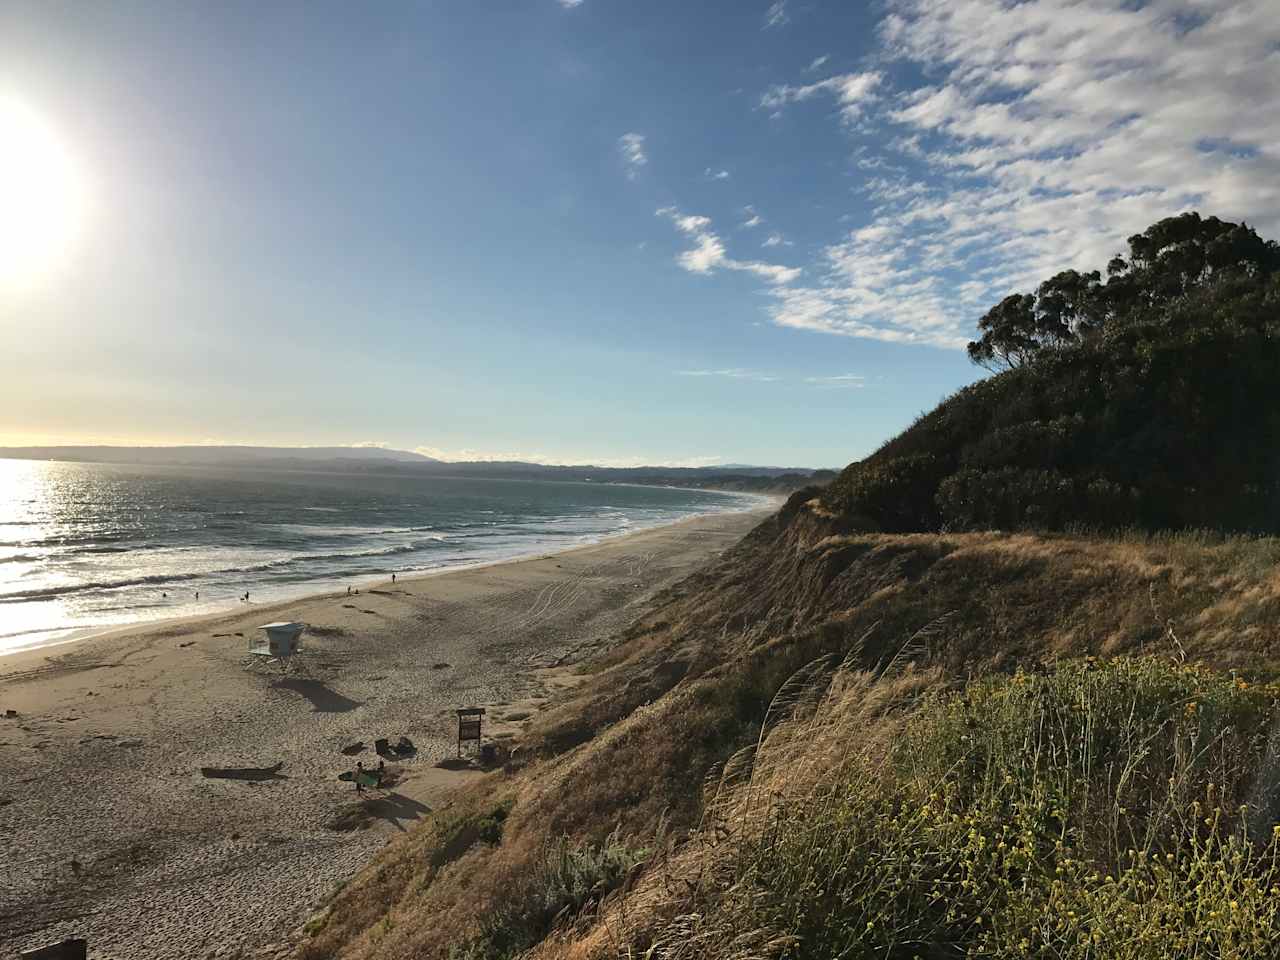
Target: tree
1008	334
1174	260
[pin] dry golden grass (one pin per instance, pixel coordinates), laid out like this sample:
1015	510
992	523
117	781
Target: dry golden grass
689	686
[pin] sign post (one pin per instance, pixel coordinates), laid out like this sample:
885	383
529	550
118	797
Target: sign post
469	719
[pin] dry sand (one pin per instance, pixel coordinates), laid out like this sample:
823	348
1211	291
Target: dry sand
109	830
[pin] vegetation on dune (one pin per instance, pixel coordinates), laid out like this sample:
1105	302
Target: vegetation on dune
1098	809
1142	400
564	879
600	849
877	728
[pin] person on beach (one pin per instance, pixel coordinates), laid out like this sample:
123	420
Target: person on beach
393	578
381	771
359	774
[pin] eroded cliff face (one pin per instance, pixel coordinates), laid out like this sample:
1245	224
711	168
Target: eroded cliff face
806	582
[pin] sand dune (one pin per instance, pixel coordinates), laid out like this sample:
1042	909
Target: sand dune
112	826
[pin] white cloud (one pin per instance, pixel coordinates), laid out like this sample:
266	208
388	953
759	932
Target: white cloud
847	381
631	147
1047	133
776	239
753	219
776	15
853	92
817	63
733	373
716	174
468	455
709	254
570	4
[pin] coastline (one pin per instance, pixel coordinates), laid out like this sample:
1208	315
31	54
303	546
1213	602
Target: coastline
325	586
169	862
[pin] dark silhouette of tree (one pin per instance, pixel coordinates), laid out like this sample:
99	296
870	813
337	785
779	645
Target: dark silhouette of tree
1145	399
1169	261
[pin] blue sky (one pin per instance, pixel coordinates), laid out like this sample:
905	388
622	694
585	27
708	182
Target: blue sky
606	230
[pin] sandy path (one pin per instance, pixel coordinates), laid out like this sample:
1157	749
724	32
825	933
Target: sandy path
108	828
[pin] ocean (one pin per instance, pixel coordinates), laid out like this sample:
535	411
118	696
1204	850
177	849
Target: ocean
89	547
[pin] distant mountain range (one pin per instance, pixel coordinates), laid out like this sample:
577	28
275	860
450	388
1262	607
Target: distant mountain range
209	455
738	477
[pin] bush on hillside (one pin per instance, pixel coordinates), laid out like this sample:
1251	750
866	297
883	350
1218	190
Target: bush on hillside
1141	401
566	879
1101	809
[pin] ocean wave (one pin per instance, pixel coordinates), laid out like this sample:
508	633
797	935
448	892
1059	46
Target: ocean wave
326	532
159	579
50	593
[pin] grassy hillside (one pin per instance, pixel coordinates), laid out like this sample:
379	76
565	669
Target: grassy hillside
876	728
630	808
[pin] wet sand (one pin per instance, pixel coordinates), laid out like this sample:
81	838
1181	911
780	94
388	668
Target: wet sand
110	830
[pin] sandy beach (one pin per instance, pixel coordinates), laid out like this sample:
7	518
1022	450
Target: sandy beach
110	830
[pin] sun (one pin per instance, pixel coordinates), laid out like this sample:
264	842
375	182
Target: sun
41	195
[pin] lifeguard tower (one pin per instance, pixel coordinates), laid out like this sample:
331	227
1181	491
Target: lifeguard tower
278	641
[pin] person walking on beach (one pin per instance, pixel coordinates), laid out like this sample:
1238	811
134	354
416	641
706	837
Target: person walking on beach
393	578
359	774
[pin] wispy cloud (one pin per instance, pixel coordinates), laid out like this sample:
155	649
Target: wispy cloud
1046	134
708	252
837	381
733	373
1041	136
817	64
631	147
712	174
776	15
776	239
853	381
853	91
570	4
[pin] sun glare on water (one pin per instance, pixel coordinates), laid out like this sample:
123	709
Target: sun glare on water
41	195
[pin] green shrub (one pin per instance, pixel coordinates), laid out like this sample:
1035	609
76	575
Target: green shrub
566	879
894	494
1100	810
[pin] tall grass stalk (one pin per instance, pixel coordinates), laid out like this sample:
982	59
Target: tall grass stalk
1094	810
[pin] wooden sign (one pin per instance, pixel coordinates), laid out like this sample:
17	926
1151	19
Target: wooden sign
469	719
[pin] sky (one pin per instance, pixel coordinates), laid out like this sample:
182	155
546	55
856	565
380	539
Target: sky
600	231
